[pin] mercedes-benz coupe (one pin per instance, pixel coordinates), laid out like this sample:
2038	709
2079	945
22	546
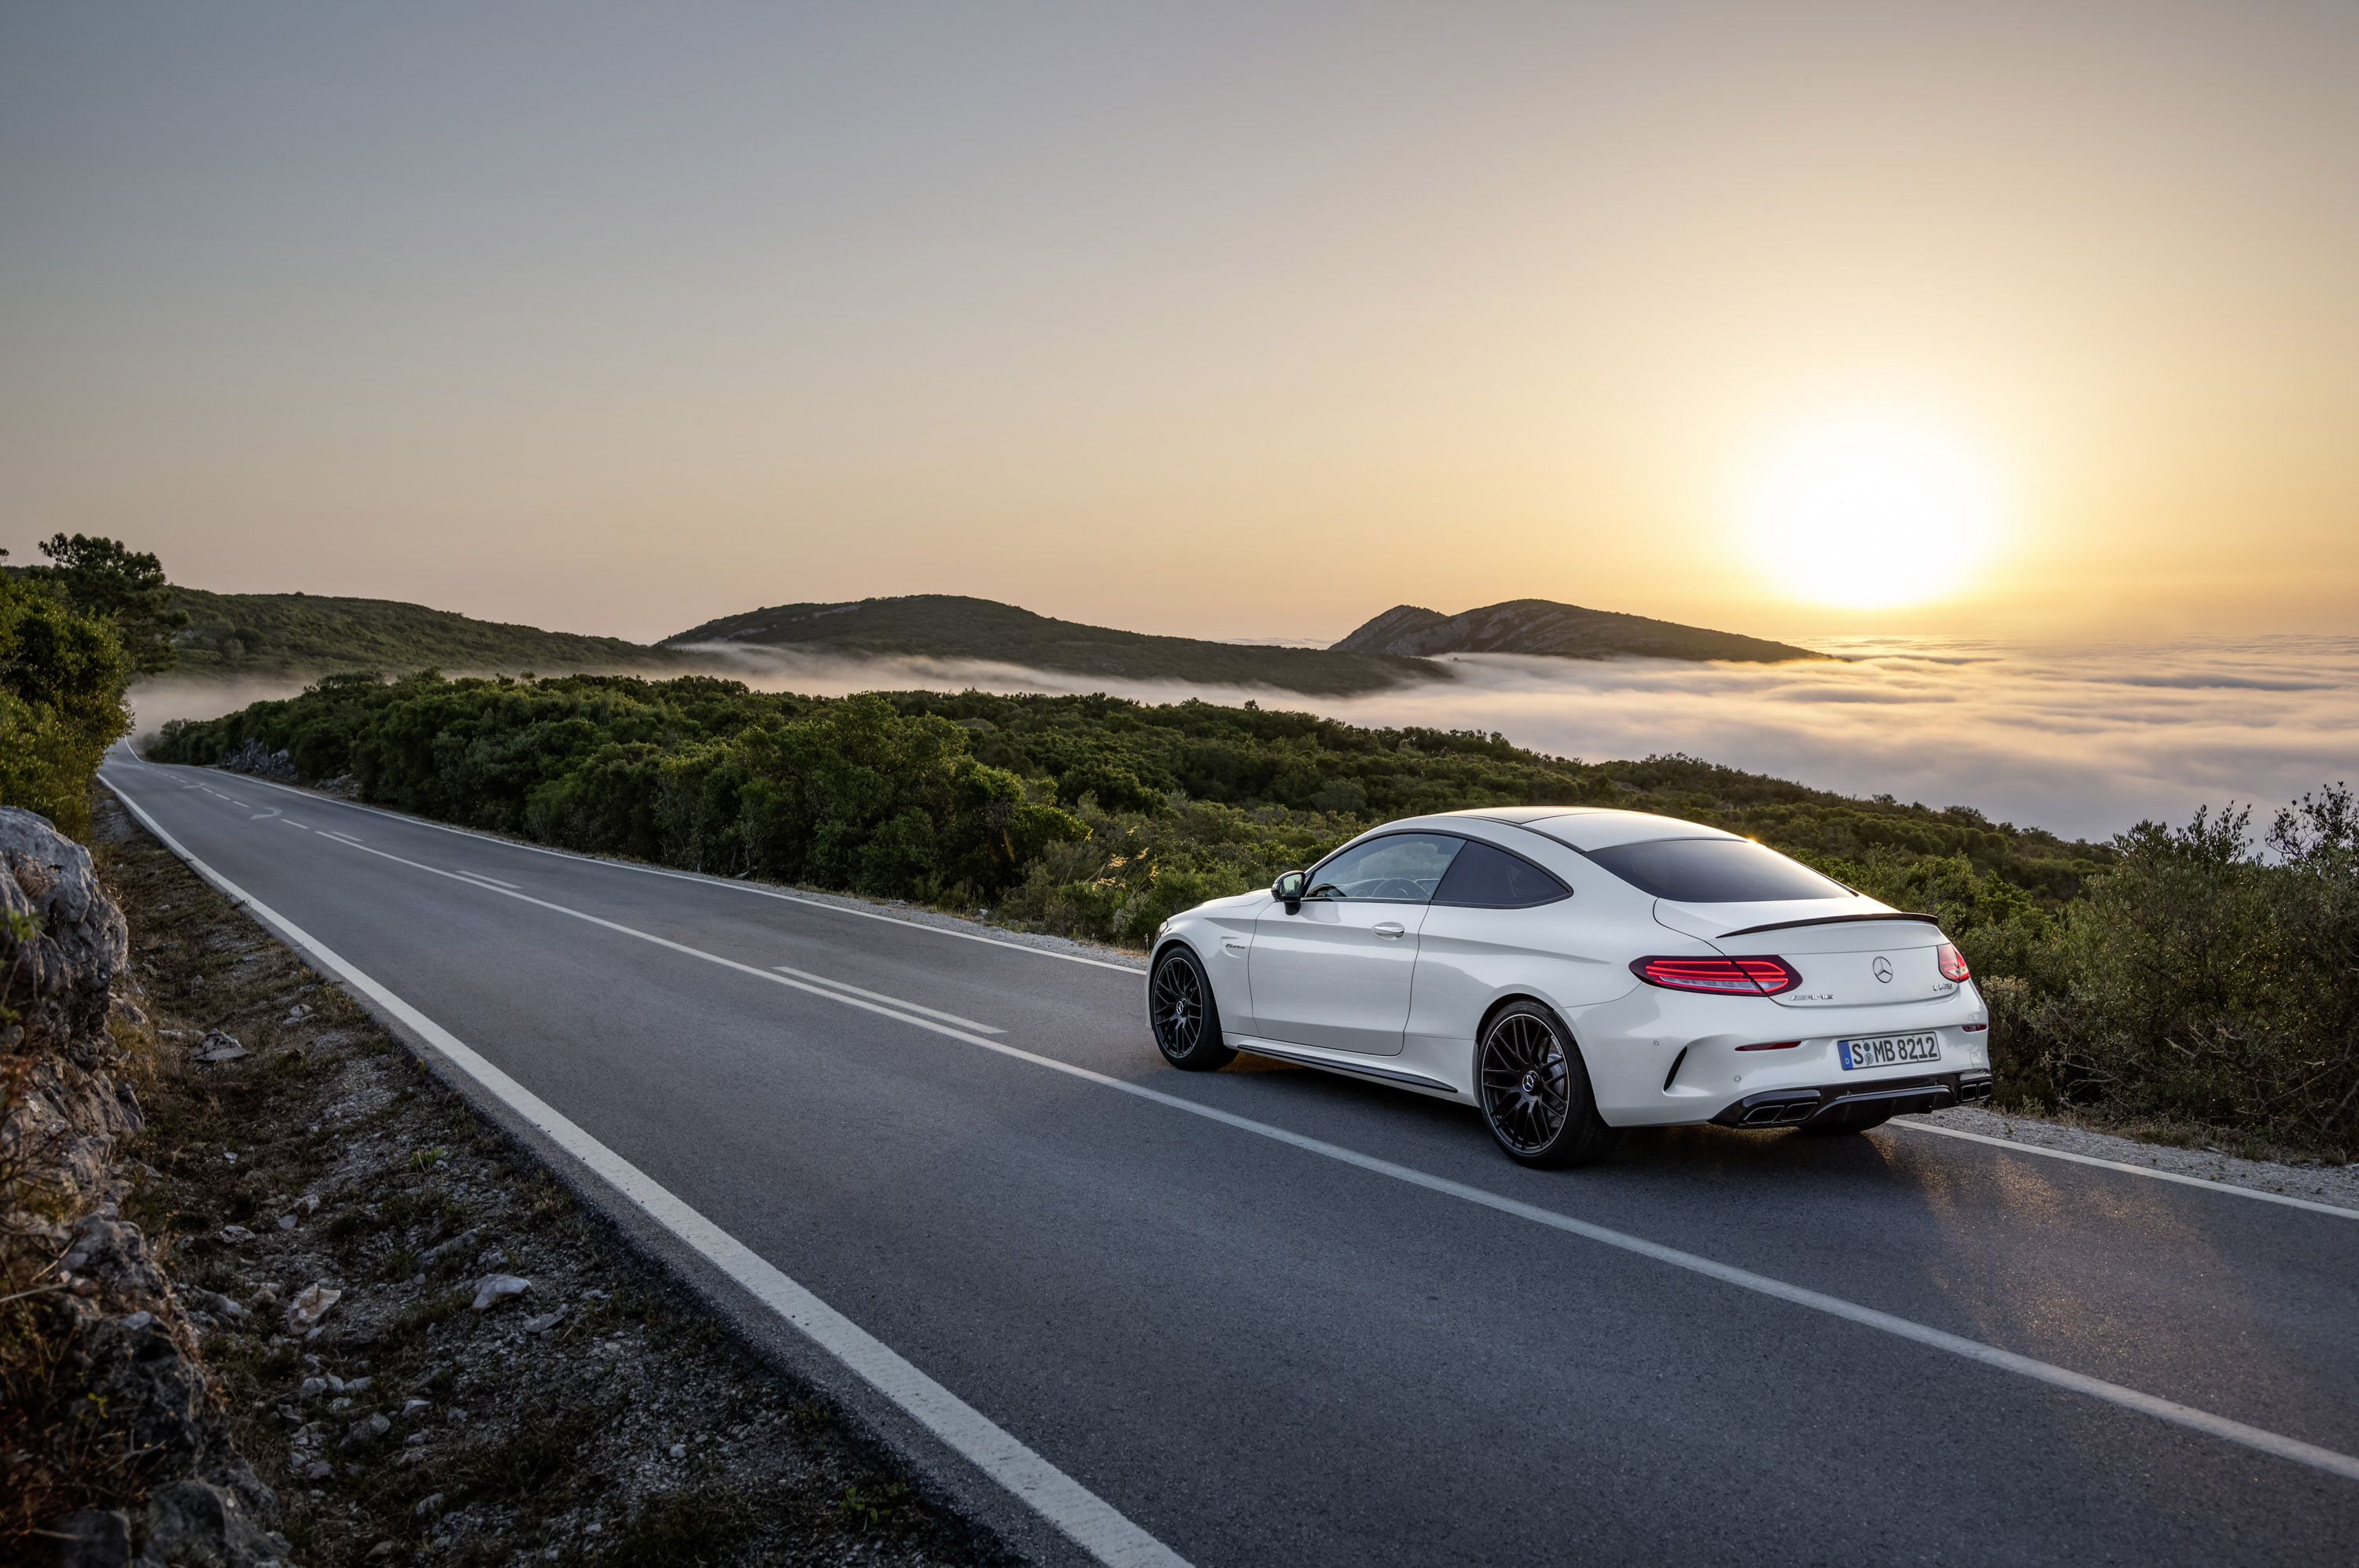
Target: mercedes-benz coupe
1570	972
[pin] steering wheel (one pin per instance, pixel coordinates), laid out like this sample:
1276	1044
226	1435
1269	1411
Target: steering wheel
1395	887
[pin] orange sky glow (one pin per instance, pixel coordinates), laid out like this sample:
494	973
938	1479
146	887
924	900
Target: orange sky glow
1234	322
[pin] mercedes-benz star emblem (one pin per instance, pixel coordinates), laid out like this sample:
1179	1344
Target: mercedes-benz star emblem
1883	967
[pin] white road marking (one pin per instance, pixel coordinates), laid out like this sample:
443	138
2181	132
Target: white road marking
2188	1416
894	1001
1092	1523
2014	1148
479	876
267	812
728	882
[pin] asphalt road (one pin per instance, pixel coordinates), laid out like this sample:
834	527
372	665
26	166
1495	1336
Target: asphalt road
1264	1354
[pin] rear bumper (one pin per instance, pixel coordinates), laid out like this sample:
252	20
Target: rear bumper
1856	1102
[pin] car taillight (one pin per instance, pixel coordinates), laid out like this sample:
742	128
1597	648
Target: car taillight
1953	963
1728	976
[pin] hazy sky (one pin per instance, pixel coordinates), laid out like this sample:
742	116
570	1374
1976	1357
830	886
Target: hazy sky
1233	320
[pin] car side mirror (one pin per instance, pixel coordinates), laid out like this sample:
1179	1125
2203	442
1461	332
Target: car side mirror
1288	888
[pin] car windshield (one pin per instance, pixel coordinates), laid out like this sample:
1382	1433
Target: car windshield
1398	867
1714	871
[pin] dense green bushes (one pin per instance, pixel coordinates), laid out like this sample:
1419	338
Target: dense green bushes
1092	815
2175	974
61	683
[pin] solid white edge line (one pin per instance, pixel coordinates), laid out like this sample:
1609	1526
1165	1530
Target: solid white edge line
1092	1523
2153	1405
729	882
2012	1146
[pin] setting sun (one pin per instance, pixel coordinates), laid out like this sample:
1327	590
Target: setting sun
1869	512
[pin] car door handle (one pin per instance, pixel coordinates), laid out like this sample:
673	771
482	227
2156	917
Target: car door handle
1388	929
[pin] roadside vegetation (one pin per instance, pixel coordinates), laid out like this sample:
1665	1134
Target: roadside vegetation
63	670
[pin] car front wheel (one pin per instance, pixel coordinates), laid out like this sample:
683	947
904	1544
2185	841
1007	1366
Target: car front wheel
1535	1090
1181	1009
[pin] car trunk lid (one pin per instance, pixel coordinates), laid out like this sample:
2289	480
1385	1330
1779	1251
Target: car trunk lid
1847	956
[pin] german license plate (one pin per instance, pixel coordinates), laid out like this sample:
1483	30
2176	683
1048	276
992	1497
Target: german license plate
1889	1050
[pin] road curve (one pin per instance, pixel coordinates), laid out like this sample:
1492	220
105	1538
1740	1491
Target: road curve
1275	1317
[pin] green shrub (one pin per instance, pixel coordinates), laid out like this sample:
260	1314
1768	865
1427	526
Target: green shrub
2199	980
62	685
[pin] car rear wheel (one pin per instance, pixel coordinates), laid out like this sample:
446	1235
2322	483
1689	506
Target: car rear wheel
1535	1090
1186	1020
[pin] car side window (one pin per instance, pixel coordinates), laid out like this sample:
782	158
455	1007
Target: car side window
1492	879
1401	868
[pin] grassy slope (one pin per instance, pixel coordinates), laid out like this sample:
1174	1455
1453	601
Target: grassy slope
296	634
942	625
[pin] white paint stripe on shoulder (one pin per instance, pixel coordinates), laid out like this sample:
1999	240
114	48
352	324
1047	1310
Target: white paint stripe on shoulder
731	883
1092	1523
2011	1146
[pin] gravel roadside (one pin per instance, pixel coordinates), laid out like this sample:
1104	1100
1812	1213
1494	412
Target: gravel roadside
2316	1183
420	1343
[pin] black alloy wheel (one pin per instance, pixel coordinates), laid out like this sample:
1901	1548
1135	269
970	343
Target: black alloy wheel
1186	1020
1535	1090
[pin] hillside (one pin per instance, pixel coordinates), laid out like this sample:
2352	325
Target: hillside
1566	631
270	636
943	625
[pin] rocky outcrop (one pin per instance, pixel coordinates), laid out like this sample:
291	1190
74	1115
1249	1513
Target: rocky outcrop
254	759
127	1411
63	940
1565	631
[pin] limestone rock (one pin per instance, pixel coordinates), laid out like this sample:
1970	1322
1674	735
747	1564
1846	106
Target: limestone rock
493	1288
57	980
205	1526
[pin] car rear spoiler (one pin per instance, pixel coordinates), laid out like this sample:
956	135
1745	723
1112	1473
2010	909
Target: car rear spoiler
1825	920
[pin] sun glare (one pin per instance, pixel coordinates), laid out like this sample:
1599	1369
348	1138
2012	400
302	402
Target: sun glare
1871	512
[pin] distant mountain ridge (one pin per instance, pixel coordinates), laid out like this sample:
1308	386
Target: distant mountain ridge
304	636
949	626
1563	631
299	636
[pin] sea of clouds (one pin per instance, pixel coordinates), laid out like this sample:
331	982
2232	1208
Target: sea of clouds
2084	740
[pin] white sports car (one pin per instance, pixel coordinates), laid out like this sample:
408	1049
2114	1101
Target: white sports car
1571	972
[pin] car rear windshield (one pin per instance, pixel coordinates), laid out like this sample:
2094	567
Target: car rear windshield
1714	871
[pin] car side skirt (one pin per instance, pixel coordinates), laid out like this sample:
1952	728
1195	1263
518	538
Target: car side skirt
1376	1070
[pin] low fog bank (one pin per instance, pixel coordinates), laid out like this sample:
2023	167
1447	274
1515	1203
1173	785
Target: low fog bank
155	702
2083	740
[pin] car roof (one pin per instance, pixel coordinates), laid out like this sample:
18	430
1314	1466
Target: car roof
1593	827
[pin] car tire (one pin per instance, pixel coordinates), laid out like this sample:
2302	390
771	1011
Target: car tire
1533	1090
1829	1126
1183	1014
